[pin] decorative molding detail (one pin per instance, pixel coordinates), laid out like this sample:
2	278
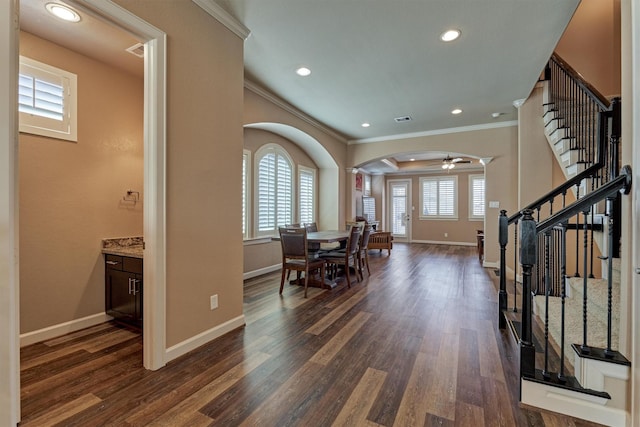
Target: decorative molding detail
391	163
461	129
202	338
62	329
224	17
352	170
279	102
519	103
486	160
261	271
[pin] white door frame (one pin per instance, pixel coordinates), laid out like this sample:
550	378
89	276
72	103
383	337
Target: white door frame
154	207
154	210
409	206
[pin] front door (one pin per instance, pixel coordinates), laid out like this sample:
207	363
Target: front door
399	191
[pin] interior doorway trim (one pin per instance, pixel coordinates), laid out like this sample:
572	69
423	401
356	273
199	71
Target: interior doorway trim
154	211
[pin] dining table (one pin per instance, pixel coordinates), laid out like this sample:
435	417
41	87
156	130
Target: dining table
323	236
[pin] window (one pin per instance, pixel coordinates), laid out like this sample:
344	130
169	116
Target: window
246	161
307	194
367	185
438	197
47	100
369	208
274	183
476	196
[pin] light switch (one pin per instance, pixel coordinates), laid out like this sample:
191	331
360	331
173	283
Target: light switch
494	204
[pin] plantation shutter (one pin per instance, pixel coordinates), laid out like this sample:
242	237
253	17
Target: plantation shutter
284	192
267	192
446	197
306	192
477	196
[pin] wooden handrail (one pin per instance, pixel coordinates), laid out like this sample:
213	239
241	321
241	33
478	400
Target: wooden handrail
599	98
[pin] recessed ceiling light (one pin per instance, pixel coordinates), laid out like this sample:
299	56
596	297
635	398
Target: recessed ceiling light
365	125
450	35
412	160
63	12
496	115
303	71
456	111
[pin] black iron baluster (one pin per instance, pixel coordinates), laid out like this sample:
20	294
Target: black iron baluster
591	276
577	234
515	267
610	207
547	287
563	295
584	347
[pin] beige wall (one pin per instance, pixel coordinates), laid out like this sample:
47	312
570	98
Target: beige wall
71	192
204	133
591	44
499	143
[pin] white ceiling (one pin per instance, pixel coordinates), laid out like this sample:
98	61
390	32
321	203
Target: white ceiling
371	60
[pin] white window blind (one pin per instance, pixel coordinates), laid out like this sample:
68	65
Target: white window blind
476	194
306	195
367	185
369	208
47	100
275	191
439	197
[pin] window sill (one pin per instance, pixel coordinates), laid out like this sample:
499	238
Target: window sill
257	241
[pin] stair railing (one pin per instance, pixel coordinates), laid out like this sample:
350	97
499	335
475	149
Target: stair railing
574	103
590	125
531	232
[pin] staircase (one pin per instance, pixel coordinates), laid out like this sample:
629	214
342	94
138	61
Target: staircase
580	332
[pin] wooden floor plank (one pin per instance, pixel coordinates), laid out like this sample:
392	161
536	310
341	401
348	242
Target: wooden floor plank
355	410
329	350
63	412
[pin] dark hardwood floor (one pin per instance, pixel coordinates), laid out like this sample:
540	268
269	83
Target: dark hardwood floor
414	344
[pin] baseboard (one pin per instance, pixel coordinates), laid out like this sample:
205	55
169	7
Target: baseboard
194	342
437	242
261	271
572	403
62	329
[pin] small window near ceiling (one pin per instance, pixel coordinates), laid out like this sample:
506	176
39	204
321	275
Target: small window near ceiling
476	196
47	100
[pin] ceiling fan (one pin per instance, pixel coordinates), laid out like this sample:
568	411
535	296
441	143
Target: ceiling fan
450	163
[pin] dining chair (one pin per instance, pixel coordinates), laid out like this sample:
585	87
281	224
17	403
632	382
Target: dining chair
363	250
347	258
314	247
295	256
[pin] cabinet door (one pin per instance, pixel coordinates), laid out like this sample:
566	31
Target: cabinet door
136	287
120	301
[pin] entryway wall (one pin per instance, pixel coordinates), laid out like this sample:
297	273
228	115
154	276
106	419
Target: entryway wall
71	193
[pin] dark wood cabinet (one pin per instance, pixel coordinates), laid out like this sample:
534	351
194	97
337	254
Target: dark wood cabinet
123	289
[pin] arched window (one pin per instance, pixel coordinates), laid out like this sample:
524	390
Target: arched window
274	189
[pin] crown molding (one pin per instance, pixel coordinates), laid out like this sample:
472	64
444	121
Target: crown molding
224	17
435	132
260	91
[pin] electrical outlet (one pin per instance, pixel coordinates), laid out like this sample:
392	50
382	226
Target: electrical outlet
446	234
214	302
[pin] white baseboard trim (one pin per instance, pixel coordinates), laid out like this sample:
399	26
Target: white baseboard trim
62	329
261	271
572	403
202	338
437	242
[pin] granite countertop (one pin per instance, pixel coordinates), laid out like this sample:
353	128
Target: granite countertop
124	246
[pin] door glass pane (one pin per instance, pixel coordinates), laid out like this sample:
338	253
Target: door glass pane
398	209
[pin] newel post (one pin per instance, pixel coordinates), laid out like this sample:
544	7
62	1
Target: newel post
503	239
528	258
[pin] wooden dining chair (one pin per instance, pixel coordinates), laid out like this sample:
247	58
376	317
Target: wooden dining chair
314	247
347	258
363	250
295	256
